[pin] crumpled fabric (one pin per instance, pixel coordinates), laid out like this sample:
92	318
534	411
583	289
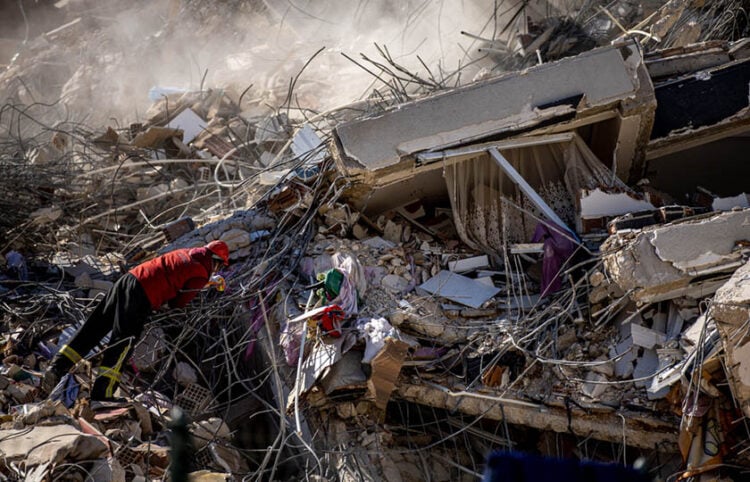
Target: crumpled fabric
558	248
375	332
290	334
66	391
290	338
354	270
353	286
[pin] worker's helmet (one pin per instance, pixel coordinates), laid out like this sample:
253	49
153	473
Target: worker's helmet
220	251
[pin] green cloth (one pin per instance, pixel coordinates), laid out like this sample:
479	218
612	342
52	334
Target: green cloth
332	280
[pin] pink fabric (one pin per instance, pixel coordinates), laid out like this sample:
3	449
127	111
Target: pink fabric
558	247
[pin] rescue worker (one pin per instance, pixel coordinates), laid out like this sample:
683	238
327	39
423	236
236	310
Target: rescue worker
174	278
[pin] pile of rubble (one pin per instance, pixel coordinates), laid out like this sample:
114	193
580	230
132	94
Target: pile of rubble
552	260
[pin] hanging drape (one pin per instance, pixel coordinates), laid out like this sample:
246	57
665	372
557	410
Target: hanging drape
486	203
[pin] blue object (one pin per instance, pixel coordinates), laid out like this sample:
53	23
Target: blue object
521	467
17	265
66	391
307	173
44	350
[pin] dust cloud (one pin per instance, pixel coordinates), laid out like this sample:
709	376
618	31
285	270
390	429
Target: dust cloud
104	66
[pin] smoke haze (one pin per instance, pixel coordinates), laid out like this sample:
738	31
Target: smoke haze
104	65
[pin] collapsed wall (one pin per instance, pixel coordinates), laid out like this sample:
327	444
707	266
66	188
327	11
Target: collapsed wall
689	258
731	311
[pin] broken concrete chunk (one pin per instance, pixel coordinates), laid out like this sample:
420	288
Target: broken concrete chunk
208	476
49	444
307	143
236	239
660	262
604	291
596	278
691	336
526	248
625	358
731	310
393	232
595	385
566	339
432	323
598	204
645	367
34	413
605	367
20	392
469	264
496	105
646	337
727	203
394	283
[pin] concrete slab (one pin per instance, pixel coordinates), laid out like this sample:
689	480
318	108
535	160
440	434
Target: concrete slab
599	78
731	310
683	258
49	444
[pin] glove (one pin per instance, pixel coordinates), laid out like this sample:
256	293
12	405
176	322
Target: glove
218	282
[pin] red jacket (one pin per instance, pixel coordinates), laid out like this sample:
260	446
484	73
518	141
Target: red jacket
174	277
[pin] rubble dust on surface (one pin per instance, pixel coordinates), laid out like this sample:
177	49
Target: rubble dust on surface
455	230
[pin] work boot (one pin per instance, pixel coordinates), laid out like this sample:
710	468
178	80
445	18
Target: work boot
103	390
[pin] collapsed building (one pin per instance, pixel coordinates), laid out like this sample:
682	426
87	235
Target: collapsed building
550	259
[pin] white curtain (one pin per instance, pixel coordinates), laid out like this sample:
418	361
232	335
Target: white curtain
486	202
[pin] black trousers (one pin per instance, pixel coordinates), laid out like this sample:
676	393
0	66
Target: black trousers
124	310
